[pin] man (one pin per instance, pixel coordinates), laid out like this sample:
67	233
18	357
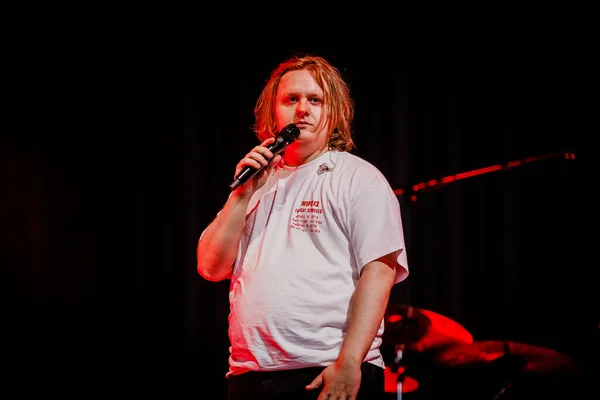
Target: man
312	244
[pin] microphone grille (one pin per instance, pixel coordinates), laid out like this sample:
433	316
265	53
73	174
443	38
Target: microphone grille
290	133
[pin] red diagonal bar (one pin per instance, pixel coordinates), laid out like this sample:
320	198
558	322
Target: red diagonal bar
567	155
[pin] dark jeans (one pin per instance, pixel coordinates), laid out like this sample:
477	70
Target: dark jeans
290	384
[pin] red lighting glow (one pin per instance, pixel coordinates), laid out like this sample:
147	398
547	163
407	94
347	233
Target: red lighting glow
469	174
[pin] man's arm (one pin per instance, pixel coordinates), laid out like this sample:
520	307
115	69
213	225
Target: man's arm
218	245
217	248
367	309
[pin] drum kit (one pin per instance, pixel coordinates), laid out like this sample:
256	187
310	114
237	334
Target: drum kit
417	340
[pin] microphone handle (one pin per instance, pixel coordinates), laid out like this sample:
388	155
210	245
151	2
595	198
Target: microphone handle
249	172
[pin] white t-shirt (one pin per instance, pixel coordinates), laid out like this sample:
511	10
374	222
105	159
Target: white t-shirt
309	232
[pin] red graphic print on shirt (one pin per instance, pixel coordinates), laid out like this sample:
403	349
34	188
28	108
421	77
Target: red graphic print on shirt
307	217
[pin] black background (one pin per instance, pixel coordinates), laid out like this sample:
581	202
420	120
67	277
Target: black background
118	146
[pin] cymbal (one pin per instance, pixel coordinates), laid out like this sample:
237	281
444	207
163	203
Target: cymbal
409	384
422	330
535	359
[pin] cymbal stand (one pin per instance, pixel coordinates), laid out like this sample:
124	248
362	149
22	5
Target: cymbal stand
502	390
399	367
513	364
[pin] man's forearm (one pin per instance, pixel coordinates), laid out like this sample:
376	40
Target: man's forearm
367	309
218	246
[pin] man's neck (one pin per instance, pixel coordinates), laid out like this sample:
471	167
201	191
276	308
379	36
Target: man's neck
295	159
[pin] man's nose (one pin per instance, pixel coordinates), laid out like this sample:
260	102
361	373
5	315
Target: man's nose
302	109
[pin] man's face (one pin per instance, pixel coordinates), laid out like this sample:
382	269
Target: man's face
300	101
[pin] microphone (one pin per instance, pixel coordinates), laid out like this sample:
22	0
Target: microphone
283	139
323	168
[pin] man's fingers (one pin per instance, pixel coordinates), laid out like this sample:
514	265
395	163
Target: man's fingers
317	382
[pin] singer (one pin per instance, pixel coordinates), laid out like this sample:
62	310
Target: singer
312	243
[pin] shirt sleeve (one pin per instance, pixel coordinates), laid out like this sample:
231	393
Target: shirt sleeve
375	228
